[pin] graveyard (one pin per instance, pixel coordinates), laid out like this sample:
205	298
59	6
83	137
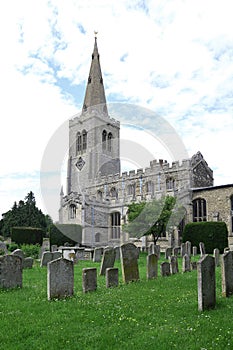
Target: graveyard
152	311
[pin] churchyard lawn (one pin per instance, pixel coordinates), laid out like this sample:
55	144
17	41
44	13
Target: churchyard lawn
155	314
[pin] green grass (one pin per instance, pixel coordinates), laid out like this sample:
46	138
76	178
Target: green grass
156	314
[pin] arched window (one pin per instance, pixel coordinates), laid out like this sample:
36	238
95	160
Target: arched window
232	213
115	225
78	143
104	139
113	192
110	142
72	211
97	237
199	210
170	183
84	135
131	190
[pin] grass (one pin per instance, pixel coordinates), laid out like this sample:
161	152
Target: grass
155	314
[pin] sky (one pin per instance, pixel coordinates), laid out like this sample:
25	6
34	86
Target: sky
172	57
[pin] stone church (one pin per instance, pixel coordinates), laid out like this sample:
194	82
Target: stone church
98	193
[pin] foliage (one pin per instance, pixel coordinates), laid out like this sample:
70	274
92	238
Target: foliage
27	235
31	250
65	233
212	234
151	218
11	247
25	213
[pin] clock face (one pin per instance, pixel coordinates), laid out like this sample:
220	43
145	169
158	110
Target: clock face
80	163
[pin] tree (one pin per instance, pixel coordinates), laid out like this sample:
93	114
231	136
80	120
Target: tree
151	218
25	213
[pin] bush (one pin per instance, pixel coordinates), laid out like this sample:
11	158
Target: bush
212	234
31	250
65	233
27	235
11	247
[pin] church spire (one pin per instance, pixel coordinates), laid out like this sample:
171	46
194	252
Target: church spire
95	94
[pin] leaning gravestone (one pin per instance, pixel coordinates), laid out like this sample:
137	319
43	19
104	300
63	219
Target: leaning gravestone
60	279
186	263
227	274
89	277
129	262
108	259
206	283
28	263
46	258
11	267
202	249
152	266
165	269
97	254
111	277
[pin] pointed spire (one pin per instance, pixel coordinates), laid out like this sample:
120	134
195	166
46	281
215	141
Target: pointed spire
95	93
61	192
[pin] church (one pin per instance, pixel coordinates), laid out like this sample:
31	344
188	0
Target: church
98	193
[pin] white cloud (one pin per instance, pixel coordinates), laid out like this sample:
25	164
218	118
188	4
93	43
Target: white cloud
174	57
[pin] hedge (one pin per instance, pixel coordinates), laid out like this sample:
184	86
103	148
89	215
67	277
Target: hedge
65	233
212	234
27	235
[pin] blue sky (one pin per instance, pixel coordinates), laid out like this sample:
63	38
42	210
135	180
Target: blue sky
172	57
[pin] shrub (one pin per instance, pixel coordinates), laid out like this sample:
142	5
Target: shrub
27	235
11	247
212	234
31	250
65	233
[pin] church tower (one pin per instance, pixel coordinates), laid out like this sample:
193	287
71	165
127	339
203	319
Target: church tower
93	136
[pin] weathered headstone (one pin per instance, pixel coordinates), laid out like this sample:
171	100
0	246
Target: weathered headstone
111	277
108	259
60	279
97	254
56	255
3	248
53	248
18	252
182	249
186	263
11	267
175	251
188	248
173	264
194	250
168	252
117	253
206	283
46	258
89	277
152	266
28	263
129	262
202	249
227	274
193	265
165	269
216	256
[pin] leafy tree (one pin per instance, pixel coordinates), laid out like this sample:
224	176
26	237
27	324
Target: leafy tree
25	213
152	218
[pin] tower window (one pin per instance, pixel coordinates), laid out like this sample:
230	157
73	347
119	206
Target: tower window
199	210
115	225
84	134
110	142
104	139
170	184
72	211
78	143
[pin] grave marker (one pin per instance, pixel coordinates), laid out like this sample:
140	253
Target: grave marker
129	262
227	274
111	277
206	283
89	277
152	266
108	259
11	267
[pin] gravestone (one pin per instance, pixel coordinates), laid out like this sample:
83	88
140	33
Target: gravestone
227	274
108	259
216	256
188	248
111	277
168	252
60	279
186	263
46	258
175	251
206	283
173	265
11	268
56	255
182	249
28	263
129	262
18	252
117	253
194	250
152	266
193	265
89	277
165	269
97	254
53	248
3	247
202	249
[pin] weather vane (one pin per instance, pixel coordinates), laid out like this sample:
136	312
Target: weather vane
95	32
